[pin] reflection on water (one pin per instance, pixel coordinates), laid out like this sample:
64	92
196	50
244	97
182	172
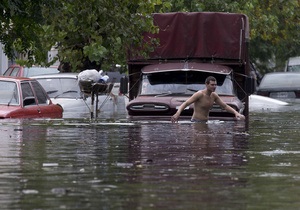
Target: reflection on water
113	163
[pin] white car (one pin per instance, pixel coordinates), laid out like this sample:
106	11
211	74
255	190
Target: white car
293	64
63	89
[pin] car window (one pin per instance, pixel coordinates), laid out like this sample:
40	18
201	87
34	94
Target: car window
8	71
40	94
294	68
26	90
9	93
12	71
15	72
280	80
157	84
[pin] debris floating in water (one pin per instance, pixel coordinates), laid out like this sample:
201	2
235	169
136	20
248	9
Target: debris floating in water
50	164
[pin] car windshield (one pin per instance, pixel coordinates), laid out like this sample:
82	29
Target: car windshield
9	94
280	80
61	87
183	83
294	68
34	71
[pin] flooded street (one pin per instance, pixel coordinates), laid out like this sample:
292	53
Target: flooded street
113	163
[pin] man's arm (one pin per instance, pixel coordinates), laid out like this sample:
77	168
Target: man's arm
188	102
223	105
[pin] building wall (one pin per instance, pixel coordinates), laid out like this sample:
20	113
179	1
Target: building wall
3	60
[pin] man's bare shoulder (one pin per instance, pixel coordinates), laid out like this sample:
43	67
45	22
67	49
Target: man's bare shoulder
214	94
216	97
199	93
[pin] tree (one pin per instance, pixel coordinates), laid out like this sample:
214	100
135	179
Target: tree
275	32
97	32
20	29
86	35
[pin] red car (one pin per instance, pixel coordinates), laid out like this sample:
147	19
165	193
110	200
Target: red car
22	71
25	98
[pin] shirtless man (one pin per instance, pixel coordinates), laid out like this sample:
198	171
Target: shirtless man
203	101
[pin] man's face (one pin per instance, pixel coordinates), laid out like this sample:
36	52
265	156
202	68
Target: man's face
211	86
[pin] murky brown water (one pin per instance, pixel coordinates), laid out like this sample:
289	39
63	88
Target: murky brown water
116	164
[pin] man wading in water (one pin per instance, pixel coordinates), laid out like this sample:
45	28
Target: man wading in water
203	101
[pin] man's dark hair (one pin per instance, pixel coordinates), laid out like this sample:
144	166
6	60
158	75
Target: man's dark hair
210	78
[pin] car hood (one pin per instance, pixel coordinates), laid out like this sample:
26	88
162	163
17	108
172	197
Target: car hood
177	100
72	105
6	110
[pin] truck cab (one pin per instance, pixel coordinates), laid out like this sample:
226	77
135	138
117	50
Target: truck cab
164	87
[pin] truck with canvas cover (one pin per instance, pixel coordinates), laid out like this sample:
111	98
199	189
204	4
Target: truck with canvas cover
191	47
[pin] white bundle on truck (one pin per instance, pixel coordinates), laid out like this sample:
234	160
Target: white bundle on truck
90	74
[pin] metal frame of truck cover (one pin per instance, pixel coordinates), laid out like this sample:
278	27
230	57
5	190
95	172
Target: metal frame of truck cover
186	66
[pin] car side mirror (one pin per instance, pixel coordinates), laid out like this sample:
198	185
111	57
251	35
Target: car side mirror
124	85
29	101
250	85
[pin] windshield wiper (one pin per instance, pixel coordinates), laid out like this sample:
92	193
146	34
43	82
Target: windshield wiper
69	91
11	98
51	91
193	90
169	93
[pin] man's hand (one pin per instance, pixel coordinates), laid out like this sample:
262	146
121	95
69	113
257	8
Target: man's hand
239	116
174	118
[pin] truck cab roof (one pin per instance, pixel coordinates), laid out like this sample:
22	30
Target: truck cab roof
187	66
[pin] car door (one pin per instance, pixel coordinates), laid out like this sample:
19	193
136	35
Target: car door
30	107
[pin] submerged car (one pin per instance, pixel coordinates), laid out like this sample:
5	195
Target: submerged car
22	71
64	89
280	85
25	98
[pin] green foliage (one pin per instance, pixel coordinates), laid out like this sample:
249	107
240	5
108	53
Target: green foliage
20	31
99	31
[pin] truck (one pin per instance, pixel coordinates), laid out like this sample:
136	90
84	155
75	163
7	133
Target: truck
191	46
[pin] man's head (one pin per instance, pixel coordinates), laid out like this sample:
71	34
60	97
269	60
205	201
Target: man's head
210	78
211	83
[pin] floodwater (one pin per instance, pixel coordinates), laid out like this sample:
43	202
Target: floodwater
113	163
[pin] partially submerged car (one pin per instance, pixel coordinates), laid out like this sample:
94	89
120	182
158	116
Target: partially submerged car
284	86
63	89
25	98
23	71
164	87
